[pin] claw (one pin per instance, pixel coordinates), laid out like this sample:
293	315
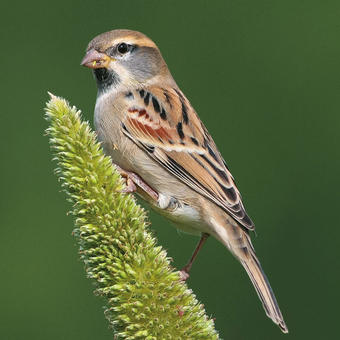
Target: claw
183	275
134	182
130	187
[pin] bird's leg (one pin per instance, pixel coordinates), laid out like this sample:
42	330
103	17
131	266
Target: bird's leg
134	182
184	273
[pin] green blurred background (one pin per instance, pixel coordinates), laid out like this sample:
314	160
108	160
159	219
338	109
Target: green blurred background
264	77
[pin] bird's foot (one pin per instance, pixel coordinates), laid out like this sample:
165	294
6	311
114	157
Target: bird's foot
130	186
183	275
136	183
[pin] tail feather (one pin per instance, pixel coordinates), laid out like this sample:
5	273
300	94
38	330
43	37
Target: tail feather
264	290
238	241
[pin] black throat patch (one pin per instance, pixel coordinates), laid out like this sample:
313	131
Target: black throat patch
105	78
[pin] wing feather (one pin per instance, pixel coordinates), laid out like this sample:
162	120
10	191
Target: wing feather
163	123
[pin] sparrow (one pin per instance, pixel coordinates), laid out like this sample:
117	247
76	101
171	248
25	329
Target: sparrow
166	155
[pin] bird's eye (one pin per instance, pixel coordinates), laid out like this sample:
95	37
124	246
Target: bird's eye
123	48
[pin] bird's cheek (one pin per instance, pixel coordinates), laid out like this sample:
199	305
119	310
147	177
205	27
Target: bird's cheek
119	68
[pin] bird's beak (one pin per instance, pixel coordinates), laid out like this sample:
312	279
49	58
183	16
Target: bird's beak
95	59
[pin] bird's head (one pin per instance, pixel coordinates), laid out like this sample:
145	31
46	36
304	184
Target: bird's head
127	58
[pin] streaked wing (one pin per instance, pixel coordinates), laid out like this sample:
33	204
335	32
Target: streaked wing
163	123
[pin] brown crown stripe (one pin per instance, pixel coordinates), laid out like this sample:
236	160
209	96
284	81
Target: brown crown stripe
136	38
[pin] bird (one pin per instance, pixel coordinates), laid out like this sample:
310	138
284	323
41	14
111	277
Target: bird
166	155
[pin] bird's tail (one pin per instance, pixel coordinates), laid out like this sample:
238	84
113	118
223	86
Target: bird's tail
239	243
264	290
